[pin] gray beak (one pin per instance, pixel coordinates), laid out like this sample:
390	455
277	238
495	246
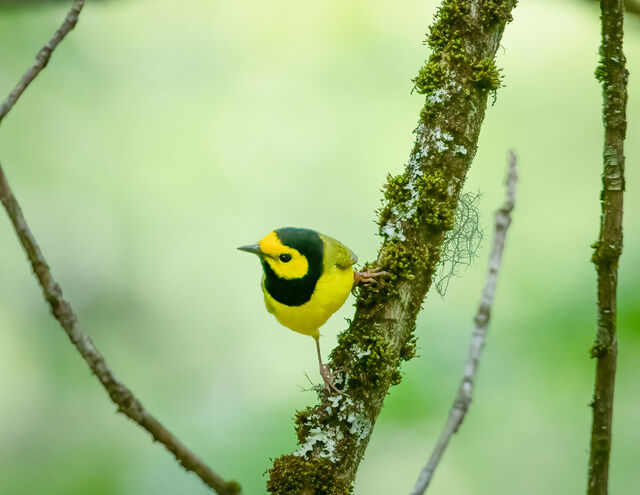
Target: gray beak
253	248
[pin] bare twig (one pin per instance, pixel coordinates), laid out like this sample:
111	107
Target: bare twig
119	393
463	399
42	58
613	75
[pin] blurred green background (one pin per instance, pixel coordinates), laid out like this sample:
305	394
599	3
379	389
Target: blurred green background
165	134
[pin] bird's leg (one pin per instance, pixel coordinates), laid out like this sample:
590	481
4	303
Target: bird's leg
368	277
325	372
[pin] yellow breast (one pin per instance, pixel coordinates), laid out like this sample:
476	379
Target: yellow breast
332	290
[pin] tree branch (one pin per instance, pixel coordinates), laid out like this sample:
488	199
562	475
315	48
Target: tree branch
419	209
613	75
632	6
465	391
119	393
61	310
42	58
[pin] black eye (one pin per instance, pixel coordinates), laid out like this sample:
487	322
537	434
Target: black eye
285	258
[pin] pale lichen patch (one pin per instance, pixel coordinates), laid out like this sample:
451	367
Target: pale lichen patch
359	353
328	440
461	150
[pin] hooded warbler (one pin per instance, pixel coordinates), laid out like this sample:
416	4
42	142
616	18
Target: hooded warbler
307	277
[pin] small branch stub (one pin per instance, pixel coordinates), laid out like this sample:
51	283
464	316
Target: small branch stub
465	391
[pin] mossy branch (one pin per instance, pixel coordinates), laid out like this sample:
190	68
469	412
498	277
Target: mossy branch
418	209
613	75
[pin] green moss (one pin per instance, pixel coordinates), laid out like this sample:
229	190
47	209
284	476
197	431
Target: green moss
302	424
370	359
496	11
432	76
601	72
291	474
408	350
604	254
598	350
379	363
427	113
395	190
433	202
447	38
233	487
432	207
395	377
451	22
485	75
399	260
402	260
365	348
395	193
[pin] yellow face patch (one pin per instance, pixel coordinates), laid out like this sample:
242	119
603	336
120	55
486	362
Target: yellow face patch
286	262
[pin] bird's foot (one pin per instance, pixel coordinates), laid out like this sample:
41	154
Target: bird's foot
327	376
368	277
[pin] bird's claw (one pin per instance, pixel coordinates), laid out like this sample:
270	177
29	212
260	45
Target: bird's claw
327	377
368	277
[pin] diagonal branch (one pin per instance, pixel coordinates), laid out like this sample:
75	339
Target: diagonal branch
418	210
119	393
42	58
465	392
613	75
61	310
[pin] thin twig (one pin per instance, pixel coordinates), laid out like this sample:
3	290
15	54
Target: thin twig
613	75
463	399
42	58
119	393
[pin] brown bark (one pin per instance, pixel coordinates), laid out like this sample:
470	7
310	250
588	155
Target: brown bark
613	75
42	58
127	403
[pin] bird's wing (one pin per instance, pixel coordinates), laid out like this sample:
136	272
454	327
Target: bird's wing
337	253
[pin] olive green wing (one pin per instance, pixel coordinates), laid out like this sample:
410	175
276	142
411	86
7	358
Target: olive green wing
336	253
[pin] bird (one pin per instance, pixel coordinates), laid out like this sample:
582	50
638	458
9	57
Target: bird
307	277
